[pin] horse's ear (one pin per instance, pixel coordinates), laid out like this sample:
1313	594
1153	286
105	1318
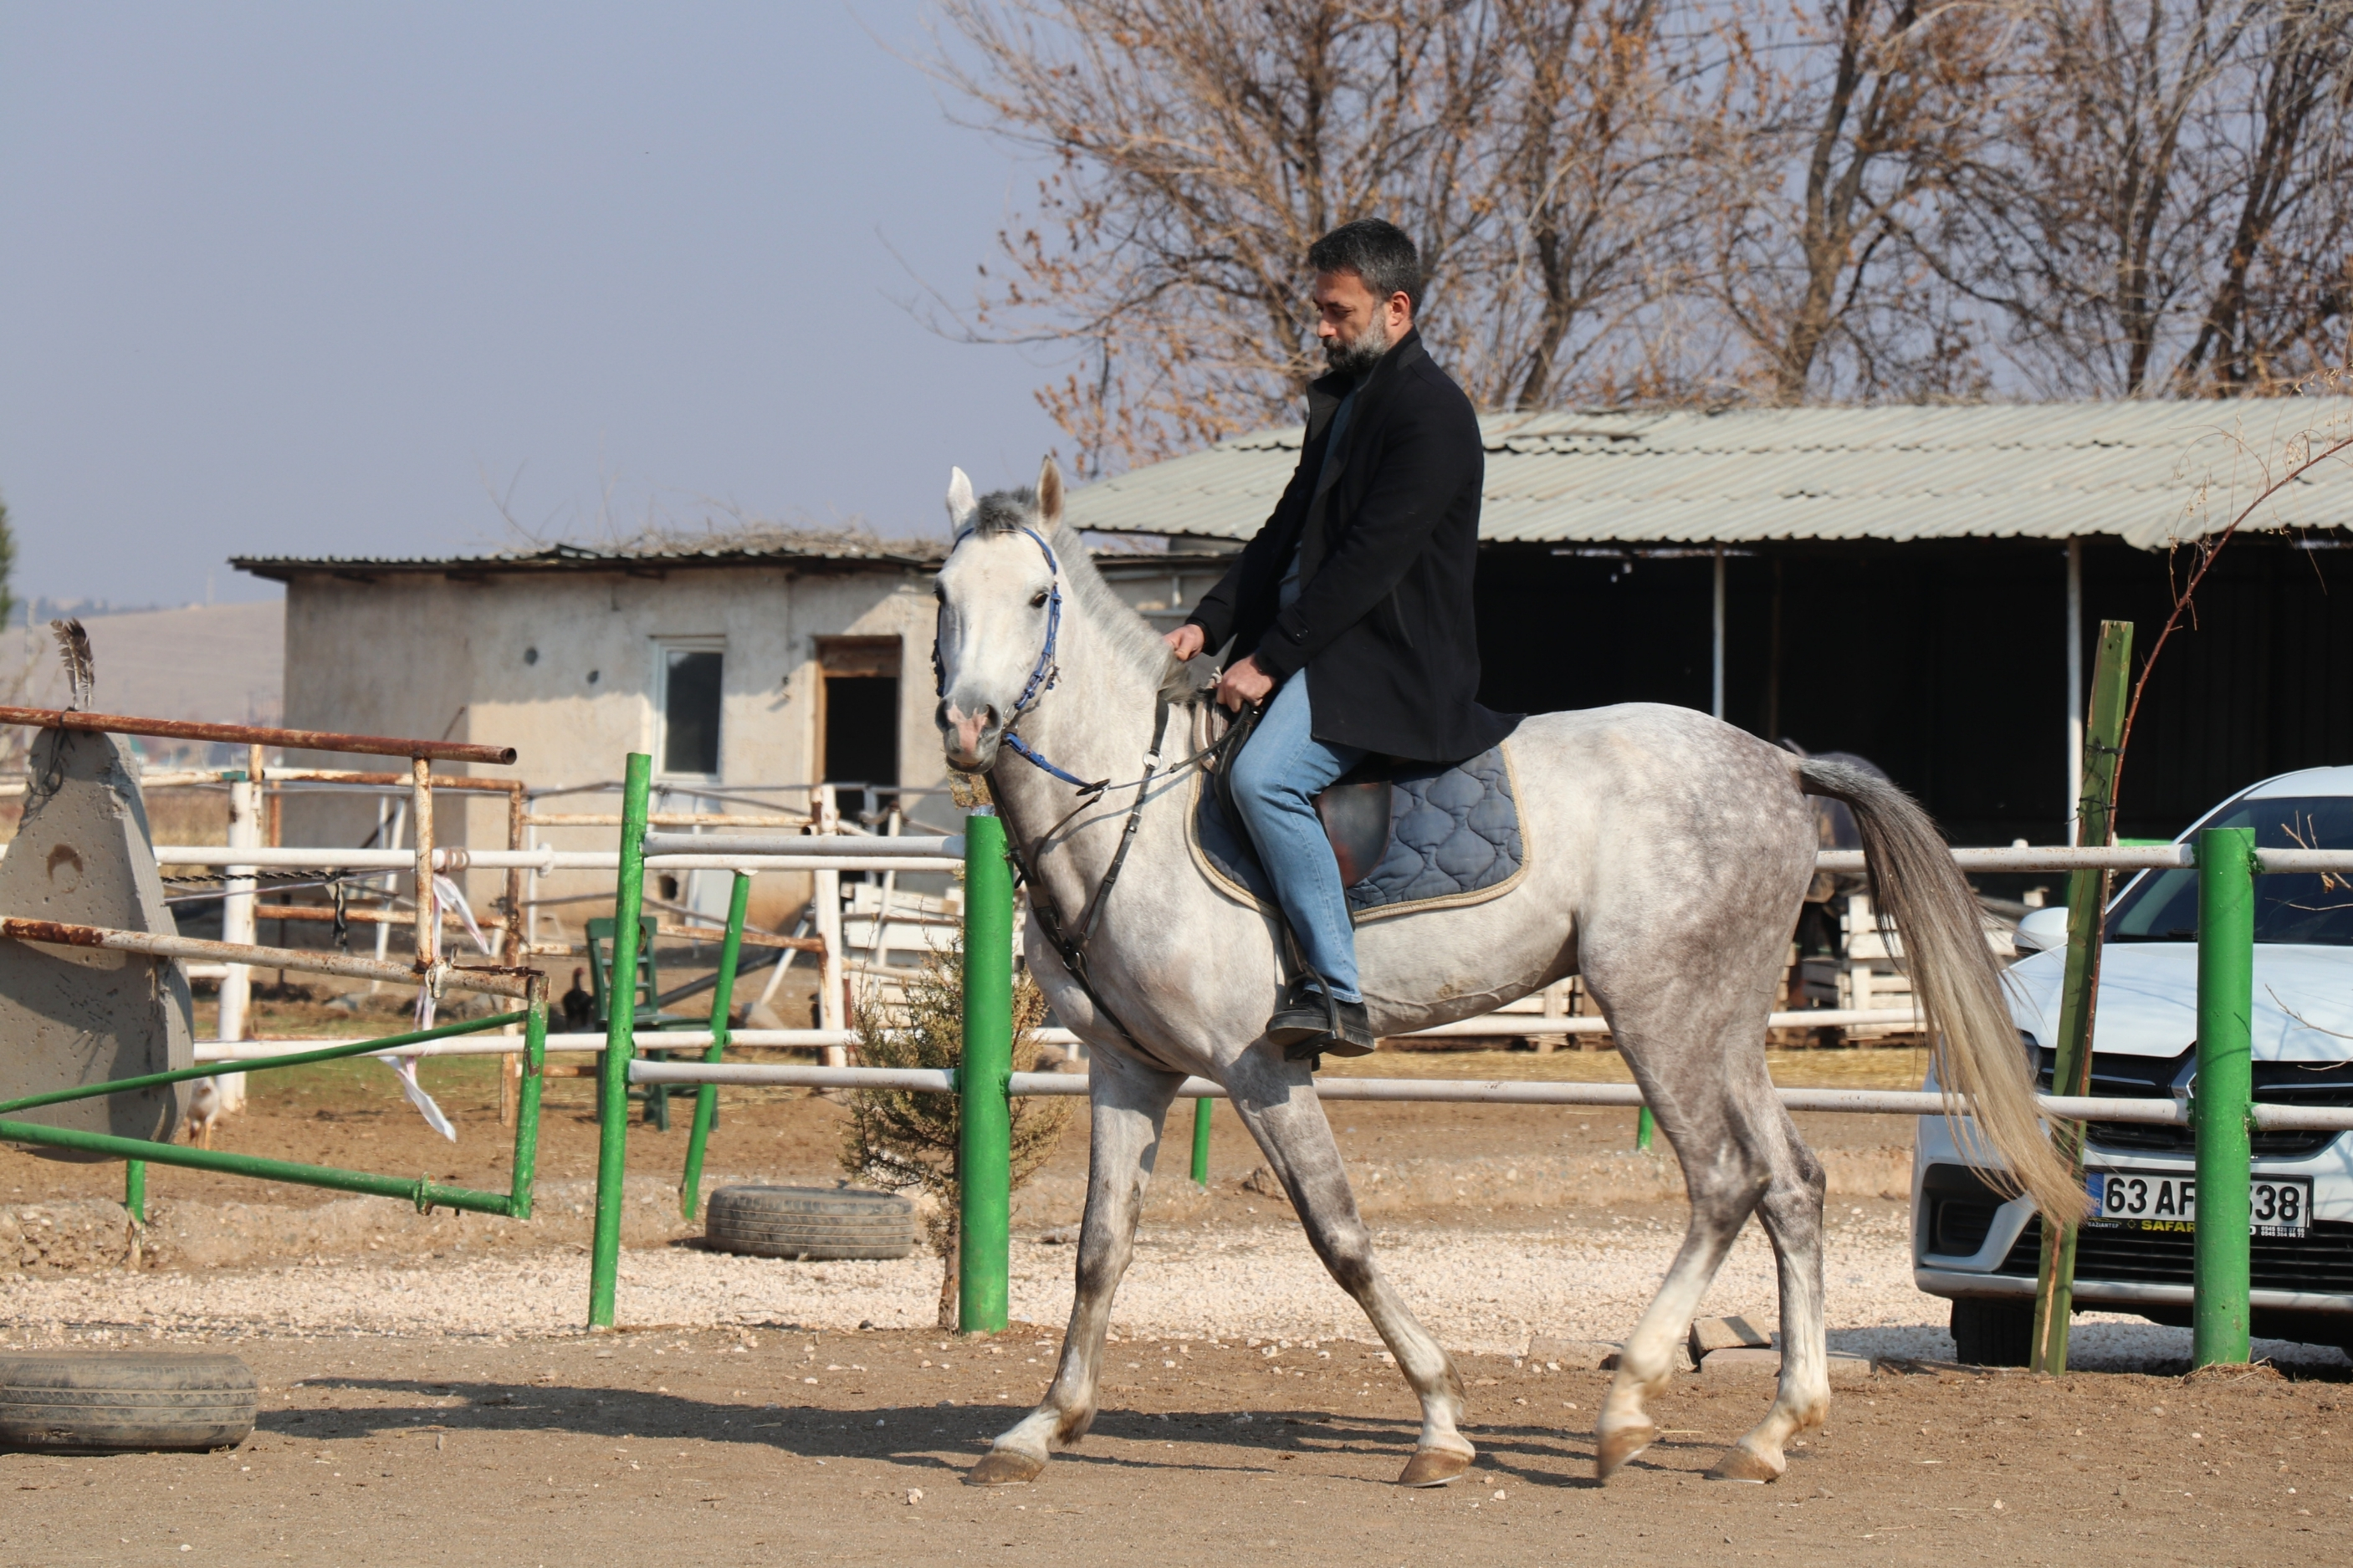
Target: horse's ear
960	500
1050	493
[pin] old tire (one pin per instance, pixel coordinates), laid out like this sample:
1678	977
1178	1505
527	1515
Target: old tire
809	1223
1993	1333
102	1403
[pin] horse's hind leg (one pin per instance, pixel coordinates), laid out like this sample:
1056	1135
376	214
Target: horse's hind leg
1277	1102
1724	1186
1129	1103
1792	1212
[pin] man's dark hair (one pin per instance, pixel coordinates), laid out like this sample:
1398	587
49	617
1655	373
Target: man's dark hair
1375	251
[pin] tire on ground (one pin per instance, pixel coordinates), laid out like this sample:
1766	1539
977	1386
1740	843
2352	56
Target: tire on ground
1993	1333
809	1223
102	1402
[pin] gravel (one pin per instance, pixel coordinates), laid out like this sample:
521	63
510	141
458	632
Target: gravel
1485	1290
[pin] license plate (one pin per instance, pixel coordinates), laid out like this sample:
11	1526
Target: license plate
2168	1200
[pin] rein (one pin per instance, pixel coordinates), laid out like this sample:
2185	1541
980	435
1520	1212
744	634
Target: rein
1072	950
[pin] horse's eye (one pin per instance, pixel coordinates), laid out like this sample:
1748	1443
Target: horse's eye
1038	599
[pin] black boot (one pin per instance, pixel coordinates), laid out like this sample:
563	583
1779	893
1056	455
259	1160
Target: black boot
1310	1023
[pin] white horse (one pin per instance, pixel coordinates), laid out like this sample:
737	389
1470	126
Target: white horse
1668	855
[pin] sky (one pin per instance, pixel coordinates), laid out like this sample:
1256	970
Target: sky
323	280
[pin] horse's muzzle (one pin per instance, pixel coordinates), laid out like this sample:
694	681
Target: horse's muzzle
969	739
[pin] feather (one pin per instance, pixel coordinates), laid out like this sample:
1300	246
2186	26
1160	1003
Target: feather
81	673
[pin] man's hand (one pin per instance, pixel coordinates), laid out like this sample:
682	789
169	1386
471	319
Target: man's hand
1243	683
1185	642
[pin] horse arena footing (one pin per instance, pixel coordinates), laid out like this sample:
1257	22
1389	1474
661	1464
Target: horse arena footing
768	1445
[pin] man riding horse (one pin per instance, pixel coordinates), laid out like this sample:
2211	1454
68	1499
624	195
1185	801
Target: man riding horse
1350	612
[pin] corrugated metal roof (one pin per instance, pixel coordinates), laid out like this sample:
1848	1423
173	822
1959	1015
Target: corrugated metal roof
764	547
2131	470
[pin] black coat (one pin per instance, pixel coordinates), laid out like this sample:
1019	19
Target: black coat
1383	624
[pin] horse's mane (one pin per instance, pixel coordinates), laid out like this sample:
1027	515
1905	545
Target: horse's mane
1130	636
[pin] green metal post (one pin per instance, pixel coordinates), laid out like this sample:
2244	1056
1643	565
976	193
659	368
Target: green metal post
423	1192
1201	1141
2219	1107
984	1151
723	1007
620	1045
1646	1126
2087	904
134	1190
534	1075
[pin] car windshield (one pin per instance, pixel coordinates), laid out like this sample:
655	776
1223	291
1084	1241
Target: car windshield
2305	907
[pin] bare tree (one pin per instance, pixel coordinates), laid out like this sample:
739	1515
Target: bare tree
2162	209
1195	151
1837	152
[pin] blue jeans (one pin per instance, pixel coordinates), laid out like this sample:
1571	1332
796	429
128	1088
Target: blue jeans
1282	766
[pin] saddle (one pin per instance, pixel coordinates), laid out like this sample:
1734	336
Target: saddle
1407	836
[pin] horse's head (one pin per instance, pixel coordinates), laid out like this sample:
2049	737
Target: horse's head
1000	603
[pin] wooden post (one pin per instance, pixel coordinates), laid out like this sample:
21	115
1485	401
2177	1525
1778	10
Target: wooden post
1556	1006
2087	903
511	952
833	974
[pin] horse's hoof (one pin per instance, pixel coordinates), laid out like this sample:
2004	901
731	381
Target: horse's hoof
1003	1467
1433	1468
1618	1448
1742	1463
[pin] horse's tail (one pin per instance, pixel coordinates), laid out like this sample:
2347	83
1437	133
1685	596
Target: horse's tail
1979	1064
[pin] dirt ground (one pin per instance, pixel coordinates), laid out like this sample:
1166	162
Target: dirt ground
772	1440
757	1447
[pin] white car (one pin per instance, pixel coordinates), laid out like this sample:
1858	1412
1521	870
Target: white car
1979	1250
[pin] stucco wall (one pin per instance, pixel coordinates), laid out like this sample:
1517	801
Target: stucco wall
508	659
566	669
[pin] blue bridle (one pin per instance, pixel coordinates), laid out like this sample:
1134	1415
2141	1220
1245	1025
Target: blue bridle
1042	677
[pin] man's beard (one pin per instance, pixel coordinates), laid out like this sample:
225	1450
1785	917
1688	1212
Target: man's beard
1355	357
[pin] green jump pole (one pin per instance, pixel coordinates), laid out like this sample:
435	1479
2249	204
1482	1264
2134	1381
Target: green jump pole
1646	1126
534	1076
426	1194
134	1190
620	1045
1202	1142
723	1007
2087	907
2219	1107
985	1150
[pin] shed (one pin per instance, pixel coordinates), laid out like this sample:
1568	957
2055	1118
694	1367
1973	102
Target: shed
1920	584
750	668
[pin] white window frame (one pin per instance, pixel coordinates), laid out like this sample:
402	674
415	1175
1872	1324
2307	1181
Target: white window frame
663	647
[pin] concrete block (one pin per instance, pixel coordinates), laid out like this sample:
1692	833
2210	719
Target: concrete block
1709	1335
1574	1355
1746	1360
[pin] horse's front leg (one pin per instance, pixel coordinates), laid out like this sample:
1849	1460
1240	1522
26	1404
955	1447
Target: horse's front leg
1128	1102
1277	1101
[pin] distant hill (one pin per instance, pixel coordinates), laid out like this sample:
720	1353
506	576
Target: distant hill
224	663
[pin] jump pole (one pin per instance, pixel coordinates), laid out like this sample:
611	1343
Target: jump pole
1201	1142
985	1145
723	1007
2219	1109
620	1044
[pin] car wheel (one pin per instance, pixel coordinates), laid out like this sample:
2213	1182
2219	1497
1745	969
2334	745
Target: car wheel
1993	1333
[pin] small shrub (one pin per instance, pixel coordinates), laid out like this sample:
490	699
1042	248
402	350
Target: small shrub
905	1139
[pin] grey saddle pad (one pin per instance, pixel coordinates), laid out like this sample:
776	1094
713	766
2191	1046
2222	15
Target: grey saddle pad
1454	838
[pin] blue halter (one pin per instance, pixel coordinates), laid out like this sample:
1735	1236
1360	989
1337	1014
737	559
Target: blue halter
1042	677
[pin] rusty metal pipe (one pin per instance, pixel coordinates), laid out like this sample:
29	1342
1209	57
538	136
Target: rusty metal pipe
495	983
258	735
